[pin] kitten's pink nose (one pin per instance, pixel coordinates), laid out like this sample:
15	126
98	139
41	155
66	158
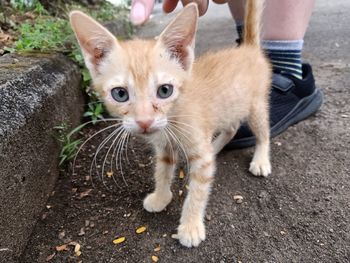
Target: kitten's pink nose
145	124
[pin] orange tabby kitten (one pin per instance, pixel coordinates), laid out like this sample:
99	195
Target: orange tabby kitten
178	104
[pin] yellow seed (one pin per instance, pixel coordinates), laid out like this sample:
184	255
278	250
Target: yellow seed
109	174
181	174
157	248
155	258
119	240
78	253
141	230
77	248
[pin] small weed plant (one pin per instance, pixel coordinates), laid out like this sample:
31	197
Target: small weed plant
46	33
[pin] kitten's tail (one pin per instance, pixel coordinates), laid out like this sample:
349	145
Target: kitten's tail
253	10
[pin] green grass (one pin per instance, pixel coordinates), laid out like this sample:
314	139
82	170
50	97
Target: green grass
48	33
70	145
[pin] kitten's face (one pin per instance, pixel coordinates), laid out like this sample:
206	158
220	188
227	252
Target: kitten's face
139	80
140	83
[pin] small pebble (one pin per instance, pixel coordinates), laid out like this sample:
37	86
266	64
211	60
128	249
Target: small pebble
61	234
155	258
81	232
238	198
157	248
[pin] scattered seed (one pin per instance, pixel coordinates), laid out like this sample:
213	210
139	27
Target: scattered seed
77	248
48	206
74	190
105	232
87	223
278	143
109	174
141	230
283	232
181	192
208	217
61	248
238	198
141	165
119	240
157	248
155	258
181	174
165	235
344	115
174	236
78	253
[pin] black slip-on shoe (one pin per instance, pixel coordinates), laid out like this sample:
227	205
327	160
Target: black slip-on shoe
291	100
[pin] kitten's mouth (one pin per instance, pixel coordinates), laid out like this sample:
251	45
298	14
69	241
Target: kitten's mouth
148	131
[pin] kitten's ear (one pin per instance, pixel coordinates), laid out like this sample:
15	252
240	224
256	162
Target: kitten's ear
96	41
179	36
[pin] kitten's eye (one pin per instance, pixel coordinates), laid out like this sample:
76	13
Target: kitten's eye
164	91
120	94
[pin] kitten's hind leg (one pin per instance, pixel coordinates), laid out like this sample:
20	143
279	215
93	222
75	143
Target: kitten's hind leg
259	123
165	167
223	138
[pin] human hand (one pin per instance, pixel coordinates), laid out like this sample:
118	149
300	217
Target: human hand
141	9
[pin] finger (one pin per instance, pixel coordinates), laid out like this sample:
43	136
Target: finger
202	5
220	1
169	5
141	11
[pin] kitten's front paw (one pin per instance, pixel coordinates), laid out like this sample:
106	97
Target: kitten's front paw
260	168
157	202
191	234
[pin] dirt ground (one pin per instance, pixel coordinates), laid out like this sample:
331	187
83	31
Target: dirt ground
301	213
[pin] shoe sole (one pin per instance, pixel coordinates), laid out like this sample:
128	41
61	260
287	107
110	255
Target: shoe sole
304	109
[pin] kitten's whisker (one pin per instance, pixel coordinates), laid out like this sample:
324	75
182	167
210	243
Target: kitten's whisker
185	124
101	145
126	148
88	139
114	155
170	143
121	156
106	156
180	131
180	145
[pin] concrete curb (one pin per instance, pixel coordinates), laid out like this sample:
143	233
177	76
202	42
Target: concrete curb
36	93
